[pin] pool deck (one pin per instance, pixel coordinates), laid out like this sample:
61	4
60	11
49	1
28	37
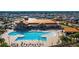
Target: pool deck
53	39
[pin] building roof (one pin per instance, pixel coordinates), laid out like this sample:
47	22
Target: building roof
40	21
70	29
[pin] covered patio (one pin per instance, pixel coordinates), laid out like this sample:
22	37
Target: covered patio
42	23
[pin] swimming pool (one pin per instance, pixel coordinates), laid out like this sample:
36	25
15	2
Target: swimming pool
29	35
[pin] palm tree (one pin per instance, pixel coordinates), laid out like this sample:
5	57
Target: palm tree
65	40
77	36
4	45
2	40
72	36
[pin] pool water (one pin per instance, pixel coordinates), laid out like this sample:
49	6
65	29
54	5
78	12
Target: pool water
29	35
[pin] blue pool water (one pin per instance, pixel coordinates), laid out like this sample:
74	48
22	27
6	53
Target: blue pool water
29	35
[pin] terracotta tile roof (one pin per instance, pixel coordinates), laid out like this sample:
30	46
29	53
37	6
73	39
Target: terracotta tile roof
70	29
40	21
